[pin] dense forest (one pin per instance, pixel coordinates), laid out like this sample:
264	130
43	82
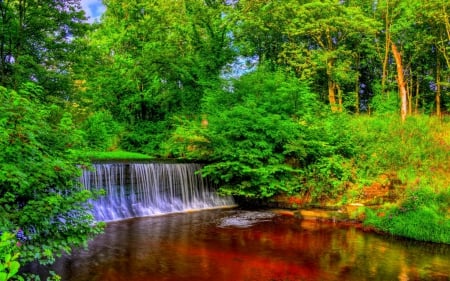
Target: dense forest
313	99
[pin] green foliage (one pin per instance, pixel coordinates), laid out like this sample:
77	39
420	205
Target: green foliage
101	131
38	175
150	62
328	177
248	148
248	133
39	43
385	104
413	149
146	137
9	255
423	215
265	134
324	152
188	140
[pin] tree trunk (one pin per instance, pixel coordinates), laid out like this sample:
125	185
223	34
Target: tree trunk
340	103
332	95
401	82
357	86
386	50
416	107
438	88
409	90
447	30
331	87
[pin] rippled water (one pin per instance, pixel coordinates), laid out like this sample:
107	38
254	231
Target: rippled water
248	245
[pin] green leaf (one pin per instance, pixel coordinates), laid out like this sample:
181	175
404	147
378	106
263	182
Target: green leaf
13	268
3	276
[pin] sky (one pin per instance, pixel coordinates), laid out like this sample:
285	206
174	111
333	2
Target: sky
93	8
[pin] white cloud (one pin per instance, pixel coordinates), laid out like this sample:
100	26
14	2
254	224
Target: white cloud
93	8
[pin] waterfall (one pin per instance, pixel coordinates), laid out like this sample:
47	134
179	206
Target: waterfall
135	190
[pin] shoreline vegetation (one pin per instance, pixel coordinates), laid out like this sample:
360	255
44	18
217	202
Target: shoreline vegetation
399	183
393	176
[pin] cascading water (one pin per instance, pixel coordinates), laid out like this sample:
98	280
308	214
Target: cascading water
135	190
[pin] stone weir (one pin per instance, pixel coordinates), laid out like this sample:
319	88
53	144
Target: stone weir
146	189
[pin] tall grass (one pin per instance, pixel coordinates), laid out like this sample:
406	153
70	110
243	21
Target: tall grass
418	153
423	215
418	150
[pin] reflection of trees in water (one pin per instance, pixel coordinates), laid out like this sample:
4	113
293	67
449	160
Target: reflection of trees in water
196	246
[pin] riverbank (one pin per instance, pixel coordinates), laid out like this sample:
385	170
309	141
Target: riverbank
418	213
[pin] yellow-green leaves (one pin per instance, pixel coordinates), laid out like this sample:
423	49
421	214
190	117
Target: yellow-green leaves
9	254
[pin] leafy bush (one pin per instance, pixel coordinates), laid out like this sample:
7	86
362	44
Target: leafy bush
412	149
328	177
39	191
248	152
250	127
188	139
423	215
9	254
146	137
101	131
325	152
382	104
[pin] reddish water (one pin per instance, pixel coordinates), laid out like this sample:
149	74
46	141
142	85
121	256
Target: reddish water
240	245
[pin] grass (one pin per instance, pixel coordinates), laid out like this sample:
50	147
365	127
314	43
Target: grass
417	152
115	155
423	215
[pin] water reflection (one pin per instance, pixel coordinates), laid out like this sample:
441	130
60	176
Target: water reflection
199	246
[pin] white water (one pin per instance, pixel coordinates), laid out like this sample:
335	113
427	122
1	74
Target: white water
136	190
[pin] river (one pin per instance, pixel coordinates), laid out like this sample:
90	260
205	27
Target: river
234	245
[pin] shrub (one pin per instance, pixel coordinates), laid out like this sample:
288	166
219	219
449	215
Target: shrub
9	255
328	177
38	175
423	215
101	131
249	132
146	137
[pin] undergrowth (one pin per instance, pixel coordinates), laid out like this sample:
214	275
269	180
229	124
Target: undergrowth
422	215
417	153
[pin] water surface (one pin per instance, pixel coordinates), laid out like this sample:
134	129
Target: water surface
249	245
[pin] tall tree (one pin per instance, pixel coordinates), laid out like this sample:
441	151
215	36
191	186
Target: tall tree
401	82
436	16
260	28
328	32
315	39
411	34
36	43
155	58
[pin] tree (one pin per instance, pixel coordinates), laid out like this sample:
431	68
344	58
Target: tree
41	200
412	36
153	60
318	40
436	16
259	29
250	126
328	32
401	82
37	44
